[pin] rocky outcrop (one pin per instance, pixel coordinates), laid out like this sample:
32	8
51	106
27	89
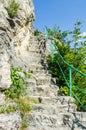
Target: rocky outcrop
10	121
5	36
15	34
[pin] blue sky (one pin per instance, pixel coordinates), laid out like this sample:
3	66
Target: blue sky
63	13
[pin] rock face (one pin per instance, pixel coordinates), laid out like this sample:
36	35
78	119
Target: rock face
10	121
4	46
15	34
2	99
14	37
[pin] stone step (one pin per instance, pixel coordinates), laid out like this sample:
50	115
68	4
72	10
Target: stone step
43	74
39	118
80	116
53	108
31	82
52	128
33	46
59	120
34	54
11	121
66	99
47	90
36	68
43	79
43	119
42	90
45	100
34	49
33	60
51	99
52	112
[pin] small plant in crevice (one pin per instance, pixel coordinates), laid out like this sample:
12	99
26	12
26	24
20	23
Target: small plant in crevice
12	9
17	93
7	109
24	123
18	77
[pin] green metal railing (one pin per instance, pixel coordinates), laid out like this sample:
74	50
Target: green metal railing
54	50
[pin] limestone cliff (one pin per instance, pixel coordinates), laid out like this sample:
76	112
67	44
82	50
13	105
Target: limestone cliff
15	34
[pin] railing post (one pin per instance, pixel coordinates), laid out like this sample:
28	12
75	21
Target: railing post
70	80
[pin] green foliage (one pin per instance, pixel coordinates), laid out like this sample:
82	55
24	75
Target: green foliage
18	94
36	32
81	94
13	9
64	91
72	38
57	33
24	123
7	109
23	104
72	47
18	78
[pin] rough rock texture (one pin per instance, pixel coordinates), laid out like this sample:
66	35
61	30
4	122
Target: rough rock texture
14	37
10	121
2	99
4	47
15	34
51	112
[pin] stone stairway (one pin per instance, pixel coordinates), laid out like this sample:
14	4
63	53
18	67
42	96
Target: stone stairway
51	112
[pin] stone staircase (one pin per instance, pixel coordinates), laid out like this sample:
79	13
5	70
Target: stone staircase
51	112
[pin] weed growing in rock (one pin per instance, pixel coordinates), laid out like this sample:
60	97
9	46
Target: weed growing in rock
13	9
17	93
18	78
7	109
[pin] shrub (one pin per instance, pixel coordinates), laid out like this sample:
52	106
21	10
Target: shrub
72	48
18	78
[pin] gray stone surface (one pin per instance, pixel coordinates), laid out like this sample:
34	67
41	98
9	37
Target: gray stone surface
2	99
15	34
10	121
51	112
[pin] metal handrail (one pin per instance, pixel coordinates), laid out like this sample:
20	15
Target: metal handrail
54	50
